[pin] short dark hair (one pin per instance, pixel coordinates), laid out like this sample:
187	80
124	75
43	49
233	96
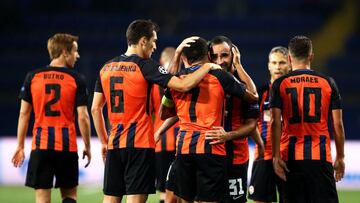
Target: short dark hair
300	47
218	40
140	28
279	49
197	50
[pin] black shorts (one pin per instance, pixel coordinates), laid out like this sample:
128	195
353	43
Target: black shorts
44	165
129	171
237	183
170	177
202	176
264	181
163	161
310	181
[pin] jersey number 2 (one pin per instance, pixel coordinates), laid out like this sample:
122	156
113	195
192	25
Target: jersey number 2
48	89
296	116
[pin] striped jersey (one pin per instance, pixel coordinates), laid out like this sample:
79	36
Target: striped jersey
202	108
126	83
54	93
305	98
167	141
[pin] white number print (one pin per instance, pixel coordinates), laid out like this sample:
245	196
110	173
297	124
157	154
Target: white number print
235	187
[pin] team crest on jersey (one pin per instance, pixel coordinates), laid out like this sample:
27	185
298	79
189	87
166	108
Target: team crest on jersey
163	70
251	189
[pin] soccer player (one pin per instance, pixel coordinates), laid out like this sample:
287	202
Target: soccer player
165	148
264	181
200	168
124	84
240	120
54	93
304	99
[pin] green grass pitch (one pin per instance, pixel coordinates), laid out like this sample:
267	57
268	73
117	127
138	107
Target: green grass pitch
21	194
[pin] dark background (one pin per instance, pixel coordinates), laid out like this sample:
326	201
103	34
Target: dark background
255	26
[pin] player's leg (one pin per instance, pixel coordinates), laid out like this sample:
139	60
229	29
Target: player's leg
111	199
67	175
163	160
263	182
136	198
139	174
237	183
211	177
68	195
170	197
43	195
185	177
114	185
40	174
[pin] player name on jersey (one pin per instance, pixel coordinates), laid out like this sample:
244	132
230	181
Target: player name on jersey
53	76
304	79
120	67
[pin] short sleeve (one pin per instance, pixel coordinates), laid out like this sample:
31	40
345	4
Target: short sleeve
250	110
275	99
81	92
335	102
98	85
25	92
154	72
230	84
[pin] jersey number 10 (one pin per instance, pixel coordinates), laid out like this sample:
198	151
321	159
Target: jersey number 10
296	114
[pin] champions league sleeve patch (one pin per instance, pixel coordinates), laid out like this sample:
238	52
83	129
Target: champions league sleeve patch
162	70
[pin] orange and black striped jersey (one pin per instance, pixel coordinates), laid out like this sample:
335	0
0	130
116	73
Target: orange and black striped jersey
167	141
236	112
306	98
126	83
264	124
202	108
54	94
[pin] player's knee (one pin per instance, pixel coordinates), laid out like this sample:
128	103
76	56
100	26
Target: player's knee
68	200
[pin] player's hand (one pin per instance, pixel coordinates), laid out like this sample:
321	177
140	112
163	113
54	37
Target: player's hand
87	153
236	56
214	66
18	158
103	152
280	168
186	43
339	168
217	135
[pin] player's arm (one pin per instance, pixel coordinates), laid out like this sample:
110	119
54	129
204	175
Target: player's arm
23	124
165	126
255	135
167	107
185	84
175	62
338	130
278	164
233	86
99	121
85	130
339	137
218	135
250	85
